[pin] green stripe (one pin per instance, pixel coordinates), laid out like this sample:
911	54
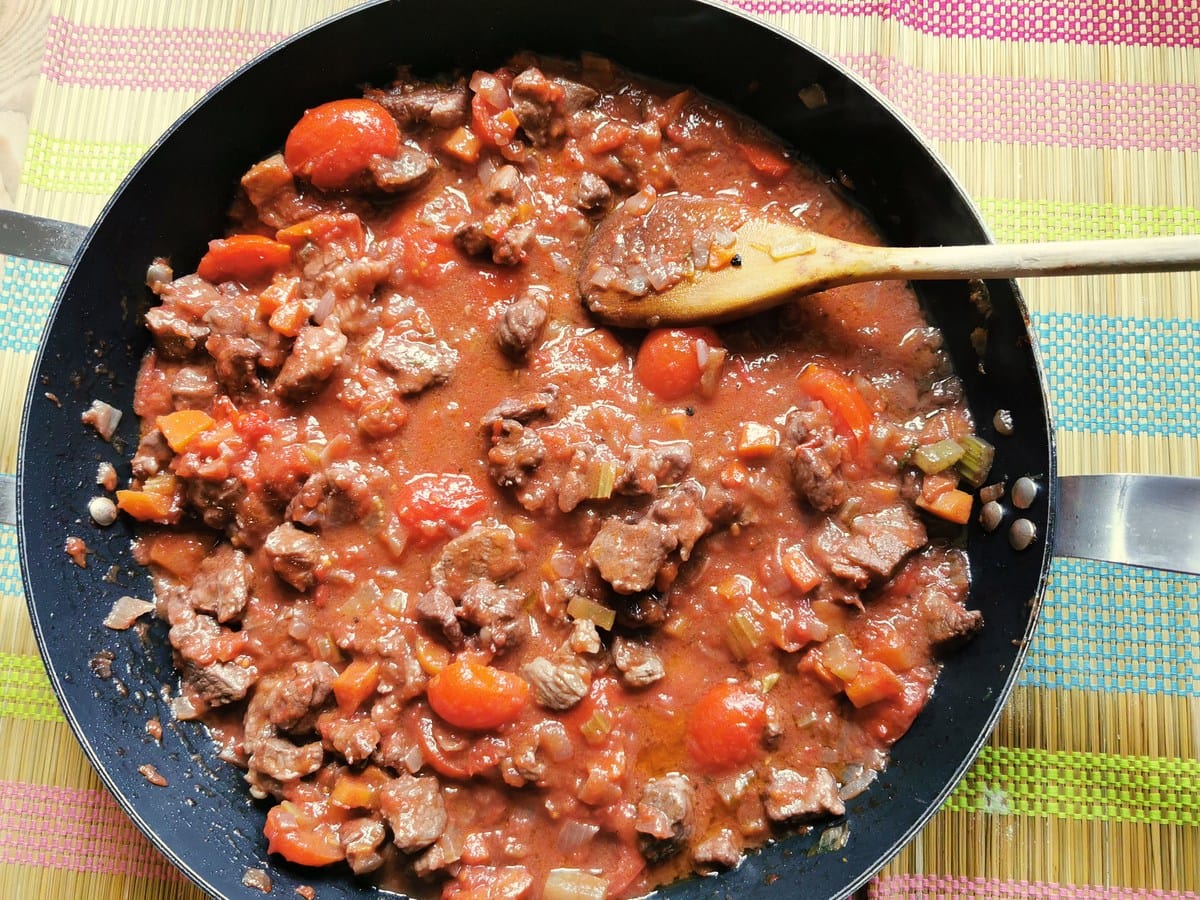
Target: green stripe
77	167
1055	220
25	690
1081	786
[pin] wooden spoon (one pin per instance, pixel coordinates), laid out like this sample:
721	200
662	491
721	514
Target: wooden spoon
774	260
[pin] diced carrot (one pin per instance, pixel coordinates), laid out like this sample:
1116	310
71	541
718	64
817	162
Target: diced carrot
292	315
276	293
181	426
243	257
953	506
463	145
766	160
602	347
800	570
850	409
874	682
734	475
607	137
324	228
757	441
433	657
146	506
355	684
358	790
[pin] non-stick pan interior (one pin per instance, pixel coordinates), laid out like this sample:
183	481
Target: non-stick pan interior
176	201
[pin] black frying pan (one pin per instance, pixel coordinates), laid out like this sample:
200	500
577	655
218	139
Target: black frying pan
176	199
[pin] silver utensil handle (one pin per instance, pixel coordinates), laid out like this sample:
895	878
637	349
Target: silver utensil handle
33	237
1139	520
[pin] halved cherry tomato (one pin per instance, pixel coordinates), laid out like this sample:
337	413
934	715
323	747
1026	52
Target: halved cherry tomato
434	506
300	838
725	728
470	695
669	362
333	143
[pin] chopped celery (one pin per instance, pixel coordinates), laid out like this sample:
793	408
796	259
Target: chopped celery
581	607
768	681
976	461
744	635
602	478
936	457
597	727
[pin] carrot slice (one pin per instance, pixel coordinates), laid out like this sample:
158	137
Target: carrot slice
181	426
244	258
355	684
850	409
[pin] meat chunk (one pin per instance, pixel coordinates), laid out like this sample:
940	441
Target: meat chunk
502	186
485	552
558	685
523	409
342	493
722	850
497	613
216	501
236	360
664	816
315	355
361	840
505	242
408	170
520	327
416	364
193	387
220	683
662	462
439	105
415	809
542	104
515	454
354	739
271	190
152	456
222	585
817	455
628	555
295	555
790	796
880	541
592	193
637	662
947	622
682	515
284	761
437	607
175	336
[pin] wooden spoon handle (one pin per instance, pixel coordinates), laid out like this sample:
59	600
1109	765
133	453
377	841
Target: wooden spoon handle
1165	254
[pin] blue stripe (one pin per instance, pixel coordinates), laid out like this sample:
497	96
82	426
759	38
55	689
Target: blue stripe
29	289
1118	629
1111	375
10	566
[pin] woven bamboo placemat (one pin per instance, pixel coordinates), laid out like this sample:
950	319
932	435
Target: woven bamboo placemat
1065	119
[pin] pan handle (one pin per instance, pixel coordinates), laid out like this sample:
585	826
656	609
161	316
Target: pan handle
46	240
1140	520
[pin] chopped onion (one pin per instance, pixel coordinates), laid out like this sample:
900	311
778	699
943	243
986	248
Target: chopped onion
491	89
324	308
575	834
103	417
701	241
856	780
641	202
574	884
184	710
125	612
603	276
553	738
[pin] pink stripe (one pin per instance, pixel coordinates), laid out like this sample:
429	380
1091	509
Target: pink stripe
942	887
1015	110
167	59
75	829
1138	23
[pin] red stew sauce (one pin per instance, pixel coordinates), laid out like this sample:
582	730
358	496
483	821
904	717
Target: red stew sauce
488	600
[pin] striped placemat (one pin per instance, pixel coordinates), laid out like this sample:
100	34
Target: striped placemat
1065	119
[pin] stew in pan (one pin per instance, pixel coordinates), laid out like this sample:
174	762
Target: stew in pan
489	600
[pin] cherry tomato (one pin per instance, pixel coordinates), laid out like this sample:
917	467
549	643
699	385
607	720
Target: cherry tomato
434	506
470	695
669	362
333	143
725	728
